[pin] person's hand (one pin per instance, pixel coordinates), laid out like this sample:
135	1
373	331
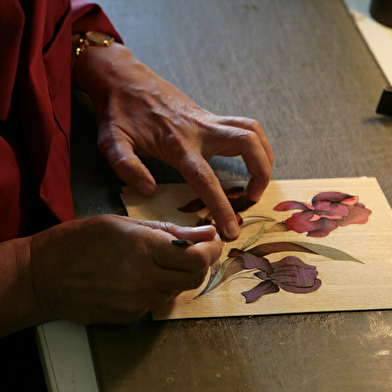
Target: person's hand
140	114
113	269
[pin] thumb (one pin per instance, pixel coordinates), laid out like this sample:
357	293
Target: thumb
118	152
196	234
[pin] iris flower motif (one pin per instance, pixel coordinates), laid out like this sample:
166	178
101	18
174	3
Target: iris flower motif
290	274
328	211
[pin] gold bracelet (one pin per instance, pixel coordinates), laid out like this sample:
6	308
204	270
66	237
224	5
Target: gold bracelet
93	38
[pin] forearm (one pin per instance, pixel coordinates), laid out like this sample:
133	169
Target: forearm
107	72
18	306
96	70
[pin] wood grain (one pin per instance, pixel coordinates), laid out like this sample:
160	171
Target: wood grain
346	285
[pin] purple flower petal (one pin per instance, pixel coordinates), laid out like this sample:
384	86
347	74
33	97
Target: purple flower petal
258	291
294	276
325	226
233	190
238	199
292	260
331	196
293	205
328	211
301	222
293	271
193	206
301	290
275	247
327	208
356	215
322	205
251	261
262	275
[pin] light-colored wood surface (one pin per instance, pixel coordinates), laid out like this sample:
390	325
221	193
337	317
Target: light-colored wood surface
346	285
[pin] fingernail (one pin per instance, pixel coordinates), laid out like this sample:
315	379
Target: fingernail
232	229
146	188
201	228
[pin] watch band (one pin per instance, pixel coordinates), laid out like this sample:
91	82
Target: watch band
81	46
93	38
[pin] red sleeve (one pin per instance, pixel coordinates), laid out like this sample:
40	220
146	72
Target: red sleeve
11	30
87	16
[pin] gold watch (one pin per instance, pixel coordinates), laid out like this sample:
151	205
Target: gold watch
93	38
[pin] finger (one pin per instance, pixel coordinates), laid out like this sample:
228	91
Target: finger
195	234
158	241
191	258
230	141
250	125
119	153
198	173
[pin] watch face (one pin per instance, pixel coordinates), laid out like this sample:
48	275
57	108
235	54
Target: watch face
98	38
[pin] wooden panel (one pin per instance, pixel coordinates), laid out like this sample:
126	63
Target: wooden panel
346	285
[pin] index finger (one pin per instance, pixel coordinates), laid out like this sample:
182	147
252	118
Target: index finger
254	126
231	141
198	173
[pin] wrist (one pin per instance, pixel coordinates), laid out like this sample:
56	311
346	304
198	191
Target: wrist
19	308
93	63
80	42
98	71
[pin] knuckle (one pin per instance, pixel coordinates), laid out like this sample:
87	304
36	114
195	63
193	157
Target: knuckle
168	227
175	144
248	138
110	145
204	176
102	220
105	141
255	125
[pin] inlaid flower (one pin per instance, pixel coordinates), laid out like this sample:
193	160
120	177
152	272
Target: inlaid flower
290	274
328	211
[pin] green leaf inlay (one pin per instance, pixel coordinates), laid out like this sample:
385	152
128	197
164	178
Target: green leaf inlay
327	251
254	238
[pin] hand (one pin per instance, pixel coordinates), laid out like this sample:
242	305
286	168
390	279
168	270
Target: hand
140	114
113	269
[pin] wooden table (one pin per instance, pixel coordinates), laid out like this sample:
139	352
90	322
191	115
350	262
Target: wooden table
301	68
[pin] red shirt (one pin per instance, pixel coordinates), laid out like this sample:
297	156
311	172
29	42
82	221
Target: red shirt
35	107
